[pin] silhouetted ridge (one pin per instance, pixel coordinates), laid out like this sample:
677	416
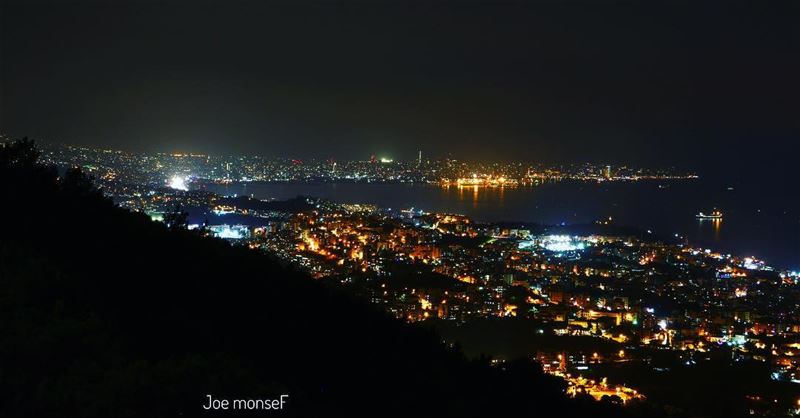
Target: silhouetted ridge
106	313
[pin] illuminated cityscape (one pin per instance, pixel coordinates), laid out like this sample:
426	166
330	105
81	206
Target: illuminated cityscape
637	295
399	208
116	167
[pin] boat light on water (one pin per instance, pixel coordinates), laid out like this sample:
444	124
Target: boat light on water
713	215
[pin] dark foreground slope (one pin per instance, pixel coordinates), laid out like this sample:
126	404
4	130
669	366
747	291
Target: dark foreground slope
105	313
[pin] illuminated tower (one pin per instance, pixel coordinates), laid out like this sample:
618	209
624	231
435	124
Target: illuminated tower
607	172
419	158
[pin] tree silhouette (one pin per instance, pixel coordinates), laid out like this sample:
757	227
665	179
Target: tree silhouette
76	181
19	154
177	219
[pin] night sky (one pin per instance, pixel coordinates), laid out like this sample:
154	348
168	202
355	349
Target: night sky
649	82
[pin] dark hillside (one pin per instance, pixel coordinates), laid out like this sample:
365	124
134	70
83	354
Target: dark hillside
105	313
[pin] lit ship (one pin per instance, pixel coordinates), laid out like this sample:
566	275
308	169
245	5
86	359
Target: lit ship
482	181
713	215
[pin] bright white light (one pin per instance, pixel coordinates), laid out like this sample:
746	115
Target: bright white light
229	231
178	183
525	245
752	264
662	324
558	238
560	246
561	243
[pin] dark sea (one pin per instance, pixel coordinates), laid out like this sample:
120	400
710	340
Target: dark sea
758	221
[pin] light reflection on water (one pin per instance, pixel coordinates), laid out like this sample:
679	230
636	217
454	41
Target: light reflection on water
714	225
